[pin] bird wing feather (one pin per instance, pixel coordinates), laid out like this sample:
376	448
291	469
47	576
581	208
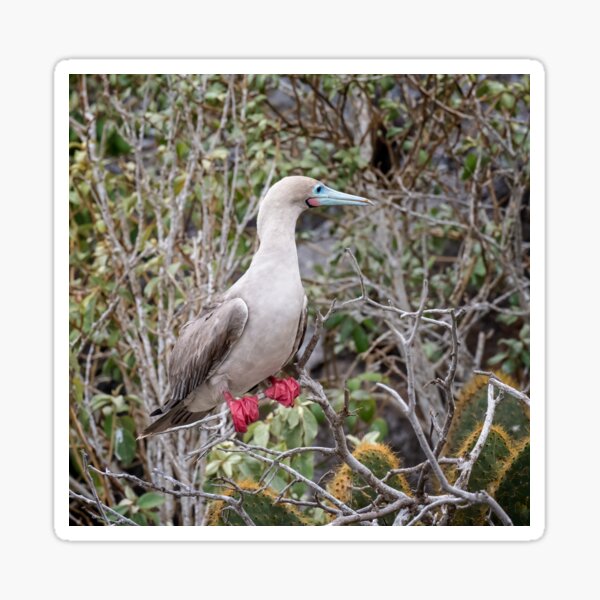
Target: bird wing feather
203	344
302	321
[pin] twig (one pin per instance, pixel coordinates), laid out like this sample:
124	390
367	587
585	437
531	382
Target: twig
119	517
475	498
505	387
86	470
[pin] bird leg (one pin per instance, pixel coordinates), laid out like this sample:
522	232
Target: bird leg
284	391
244	410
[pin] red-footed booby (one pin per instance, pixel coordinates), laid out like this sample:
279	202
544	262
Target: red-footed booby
256	327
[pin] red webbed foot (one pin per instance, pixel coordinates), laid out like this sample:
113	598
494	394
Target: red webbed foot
284	391
244	411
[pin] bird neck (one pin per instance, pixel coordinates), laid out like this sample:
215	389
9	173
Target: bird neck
277	232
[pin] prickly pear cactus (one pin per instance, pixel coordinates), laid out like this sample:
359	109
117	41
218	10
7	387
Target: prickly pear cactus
494	454
511	487
502	468
260	507
471	406
349	487
497	450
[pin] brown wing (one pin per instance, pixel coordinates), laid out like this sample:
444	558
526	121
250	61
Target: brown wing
301	330
203	345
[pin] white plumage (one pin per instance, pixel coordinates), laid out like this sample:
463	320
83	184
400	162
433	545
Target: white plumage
254	329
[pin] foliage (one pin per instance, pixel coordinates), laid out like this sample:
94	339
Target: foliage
166	172
140	509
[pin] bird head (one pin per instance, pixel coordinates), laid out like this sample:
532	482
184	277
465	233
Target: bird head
306	192
321	195
290	196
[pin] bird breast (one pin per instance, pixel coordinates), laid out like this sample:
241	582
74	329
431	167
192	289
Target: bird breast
274	296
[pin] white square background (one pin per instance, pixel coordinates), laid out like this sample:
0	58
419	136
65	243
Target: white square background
564	38
61	307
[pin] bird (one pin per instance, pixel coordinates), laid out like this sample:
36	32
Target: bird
254	329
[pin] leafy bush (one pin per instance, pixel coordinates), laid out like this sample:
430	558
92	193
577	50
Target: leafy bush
166	172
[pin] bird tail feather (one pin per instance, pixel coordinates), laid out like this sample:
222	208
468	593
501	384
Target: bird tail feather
176	417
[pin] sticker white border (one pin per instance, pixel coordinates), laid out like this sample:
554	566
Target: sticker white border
328	66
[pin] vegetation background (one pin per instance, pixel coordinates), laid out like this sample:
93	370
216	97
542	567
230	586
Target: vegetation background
166	173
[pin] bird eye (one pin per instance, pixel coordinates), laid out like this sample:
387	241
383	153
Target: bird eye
318	189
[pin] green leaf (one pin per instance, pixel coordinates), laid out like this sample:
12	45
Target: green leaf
251	469
479	269
393	131
366	409
507	101
173	268
353	384
150	500
125	445
381	426
116	145
353	439
317	411
128	423
509	366
304	463
261	434
150	287
361	341
371	377
369	324
351	422
182	149
515	345
470	165
360	395
293	437
293	417
250	432
89	306
108	425
490	87
497	358
432	351
219	154
422	158
140	519
277	424
121	407
347	328
310	425
371	437
154	517
227	468
130	495
212	467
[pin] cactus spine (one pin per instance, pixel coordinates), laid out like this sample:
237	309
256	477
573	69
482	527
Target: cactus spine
511	487
349	487
471	406
260	506
502	468
495	452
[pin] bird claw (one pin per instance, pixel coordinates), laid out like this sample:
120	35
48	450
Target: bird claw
243	410
284	391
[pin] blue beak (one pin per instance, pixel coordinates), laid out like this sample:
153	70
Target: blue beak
328	197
